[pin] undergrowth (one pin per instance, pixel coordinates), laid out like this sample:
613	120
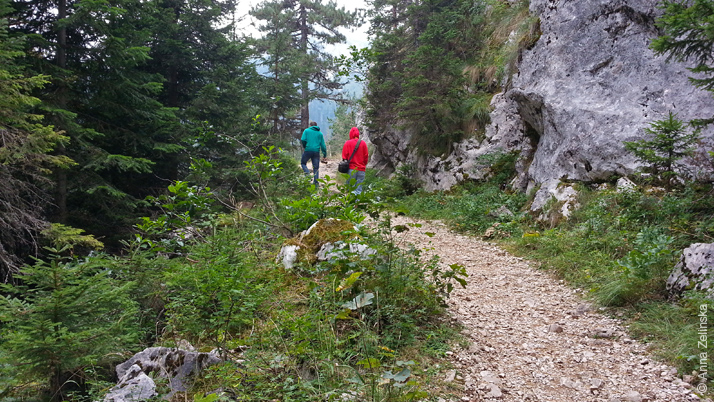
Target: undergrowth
202	271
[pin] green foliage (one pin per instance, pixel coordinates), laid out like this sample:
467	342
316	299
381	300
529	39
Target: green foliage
435	65
342	330
687	36
673	330
345	119
63	316
68	237
473	206
642	272
26	157
217	293
292	50
668	141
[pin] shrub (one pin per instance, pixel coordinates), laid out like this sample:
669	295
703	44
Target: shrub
65	315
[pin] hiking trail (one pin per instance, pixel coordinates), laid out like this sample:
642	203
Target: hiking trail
532	338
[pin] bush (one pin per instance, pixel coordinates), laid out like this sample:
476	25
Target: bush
642	272
64	316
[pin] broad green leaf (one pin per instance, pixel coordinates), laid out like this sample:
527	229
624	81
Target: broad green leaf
348	282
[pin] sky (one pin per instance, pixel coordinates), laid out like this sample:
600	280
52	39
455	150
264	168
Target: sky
357	37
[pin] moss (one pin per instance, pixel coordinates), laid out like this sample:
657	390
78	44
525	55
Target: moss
322	232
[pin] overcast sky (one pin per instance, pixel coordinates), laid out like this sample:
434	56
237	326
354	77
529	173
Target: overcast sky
358	37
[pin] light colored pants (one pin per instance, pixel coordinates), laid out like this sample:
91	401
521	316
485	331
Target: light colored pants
355	180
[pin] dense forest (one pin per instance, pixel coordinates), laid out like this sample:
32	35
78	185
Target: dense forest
148	180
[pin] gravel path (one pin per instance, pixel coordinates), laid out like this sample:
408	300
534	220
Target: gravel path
535	339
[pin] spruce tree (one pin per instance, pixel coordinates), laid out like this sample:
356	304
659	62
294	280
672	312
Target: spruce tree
688	35
668	141
64	316
309	25
25	155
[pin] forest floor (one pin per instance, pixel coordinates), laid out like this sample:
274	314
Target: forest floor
530	336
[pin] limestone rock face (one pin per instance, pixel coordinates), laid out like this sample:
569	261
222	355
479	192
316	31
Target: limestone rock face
589	83
695	270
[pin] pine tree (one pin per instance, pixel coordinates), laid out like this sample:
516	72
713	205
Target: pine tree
310	25
281	57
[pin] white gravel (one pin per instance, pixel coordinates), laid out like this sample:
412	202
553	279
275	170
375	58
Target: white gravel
535	339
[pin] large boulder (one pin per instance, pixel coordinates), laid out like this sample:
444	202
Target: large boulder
589	83
174	364
695	270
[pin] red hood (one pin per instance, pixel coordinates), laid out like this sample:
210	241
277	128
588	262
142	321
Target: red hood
354	133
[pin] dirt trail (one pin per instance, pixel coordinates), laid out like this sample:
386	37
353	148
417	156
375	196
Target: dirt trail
535	339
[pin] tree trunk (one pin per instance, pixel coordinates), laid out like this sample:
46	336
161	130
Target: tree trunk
305	84
61	173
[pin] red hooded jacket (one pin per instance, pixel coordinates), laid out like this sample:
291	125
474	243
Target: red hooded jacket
359	161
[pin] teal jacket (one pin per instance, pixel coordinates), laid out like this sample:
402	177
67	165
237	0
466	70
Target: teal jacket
312	140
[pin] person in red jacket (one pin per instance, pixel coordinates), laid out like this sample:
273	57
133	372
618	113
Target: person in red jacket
359	160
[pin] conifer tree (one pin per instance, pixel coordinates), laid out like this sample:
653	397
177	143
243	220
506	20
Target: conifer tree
134	94
309	25
668	141
688	35
64	316
25	155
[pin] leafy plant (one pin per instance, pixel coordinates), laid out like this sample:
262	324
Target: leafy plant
642	271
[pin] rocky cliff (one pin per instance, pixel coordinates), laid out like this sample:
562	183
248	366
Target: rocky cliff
589	83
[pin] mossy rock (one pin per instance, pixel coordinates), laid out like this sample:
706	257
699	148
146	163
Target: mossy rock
320	233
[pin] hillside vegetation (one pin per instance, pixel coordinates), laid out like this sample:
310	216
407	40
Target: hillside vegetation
148	181
364	326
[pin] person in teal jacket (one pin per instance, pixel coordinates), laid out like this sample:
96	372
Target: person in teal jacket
312	142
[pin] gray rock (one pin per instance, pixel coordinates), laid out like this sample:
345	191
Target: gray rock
288	256
695	270
625	184
632	396
555	328
174	364
450	376
495	392
330	251
555	191
501	211
596	383
133	386
589	83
